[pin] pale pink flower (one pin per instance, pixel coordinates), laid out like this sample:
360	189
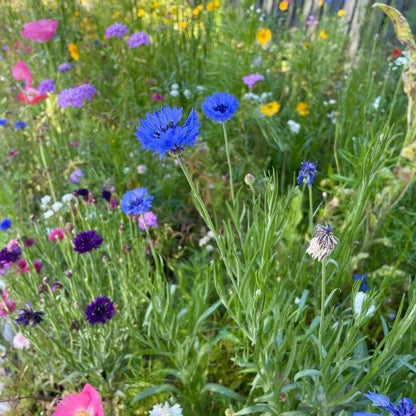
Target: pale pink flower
88	402
148	219
22	72
20	341
40	30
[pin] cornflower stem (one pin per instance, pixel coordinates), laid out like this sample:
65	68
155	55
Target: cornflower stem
310	210
42	155
230	171
321	326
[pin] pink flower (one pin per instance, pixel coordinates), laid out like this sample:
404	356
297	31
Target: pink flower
6	305
40	31
23	267
158	97
38	265
56	234
22	72
20	341
251	79
148	219
88	402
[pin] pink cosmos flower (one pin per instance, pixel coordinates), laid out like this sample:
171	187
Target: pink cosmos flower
56	234
6	305
148	219
251	79
20	341
40	30
88	402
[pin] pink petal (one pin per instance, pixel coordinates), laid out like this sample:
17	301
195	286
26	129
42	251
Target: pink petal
40	31
21	71
95	400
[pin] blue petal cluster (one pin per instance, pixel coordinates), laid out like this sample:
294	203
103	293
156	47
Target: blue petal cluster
220	106
307	172
100	310
161	133
405	407
136	202
5	224
363	281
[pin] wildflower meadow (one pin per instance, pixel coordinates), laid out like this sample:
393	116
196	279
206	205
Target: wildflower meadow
206	209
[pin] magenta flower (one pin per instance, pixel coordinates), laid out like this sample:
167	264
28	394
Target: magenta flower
158	97
148	219
38	265
88	402
251	79
22	72
56	234
6	305
23	266
40	31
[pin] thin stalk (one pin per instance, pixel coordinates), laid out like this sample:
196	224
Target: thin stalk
322	317
230	171
310	211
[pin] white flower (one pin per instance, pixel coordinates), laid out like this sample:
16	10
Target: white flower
376	102
166	410
266	96
200	88
250	96
209	247
401	61
141	169
293	126
358	305
56	206
174	87
20	341
322	243
174	93
126	170
45	200
203	241
48	213
67	198
187	93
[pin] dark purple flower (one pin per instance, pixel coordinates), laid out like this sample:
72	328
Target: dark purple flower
75	97
87	241
100	310
307	172
116	30
28	316
47	85
251	79
106	194
56	286
138	39
10	254
38	265
82	192
64	67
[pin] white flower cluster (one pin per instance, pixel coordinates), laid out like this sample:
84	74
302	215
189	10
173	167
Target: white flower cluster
50	209
264	97
187	93
203	242
166	410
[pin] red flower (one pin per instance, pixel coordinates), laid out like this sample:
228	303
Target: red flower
40	31
31	96
396	52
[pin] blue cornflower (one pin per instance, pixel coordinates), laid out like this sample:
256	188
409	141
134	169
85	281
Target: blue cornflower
405	407
47	85
64	67
136	202
161	133
363	281
307	171
220	106
3	121
5	224
116	30
19	125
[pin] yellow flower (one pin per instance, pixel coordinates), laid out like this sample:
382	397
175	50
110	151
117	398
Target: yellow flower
270	109
198	9
182	24
302	109
305	45
341	13
320	3
155	5
141	12
115	15
323	34
213	5
263	36
73	51
283	5
76	13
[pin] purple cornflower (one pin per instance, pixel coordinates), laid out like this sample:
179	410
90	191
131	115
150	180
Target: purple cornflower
82	192
10	254
136	202
47	85
251	79
116	30
147	219
100	310
64	67
76	175
405	406
28	316
363	281
5	224
307	171
220	106
19	125
106	194
161	132
137	39
86	241
75	97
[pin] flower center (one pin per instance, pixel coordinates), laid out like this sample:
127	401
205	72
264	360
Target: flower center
170	126
221	108
82	413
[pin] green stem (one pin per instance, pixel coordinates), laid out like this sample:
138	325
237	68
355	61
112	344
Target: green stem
230	171
322	317
310	210
42	155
